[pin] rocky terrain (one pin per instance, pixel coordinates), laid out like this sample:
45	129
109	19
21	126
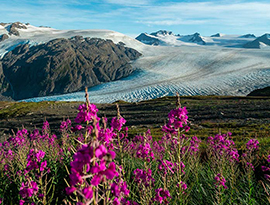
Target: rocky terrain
260	92
63	66
11	29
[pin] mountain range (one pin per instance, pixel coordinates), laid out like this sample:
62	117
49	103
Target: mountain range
167	38
56	64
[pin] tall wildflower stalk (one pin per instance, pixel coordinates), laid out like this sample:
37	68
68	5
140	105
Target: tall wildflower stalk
249	163
94	176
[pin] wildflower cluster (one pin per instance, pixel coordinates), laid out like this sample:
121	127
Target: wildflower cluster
248	157
144	177
177	119
266	169
103	165
222	147
167	167
162	196
144	151
93	168
220	181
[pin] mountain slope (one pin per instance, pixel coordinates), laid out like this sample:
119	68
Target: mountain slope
260	42
64	66
148	39
260	92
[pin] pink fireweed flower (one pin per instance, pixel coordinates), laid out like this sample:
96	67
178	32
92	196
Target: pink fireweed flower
33	160
144	151
85	115
119	189
252	145
107	136
34	135
183	186
162	196
88	192
220	181
110	172
101	151
45	127
70	190
166	166
268	160
76	128
144	177
158	149
177	119
27	189
194	145
250	166
43	165
65	125
82	157
186	128
266	169
117	124
75	177
223	147
19	138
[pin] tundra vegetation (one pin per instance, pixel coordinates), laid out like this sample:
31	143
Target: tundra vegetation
94	160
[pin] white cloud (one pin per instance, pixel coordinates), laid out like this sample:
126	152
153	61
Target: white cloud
173	22
130	2
136	16
238	14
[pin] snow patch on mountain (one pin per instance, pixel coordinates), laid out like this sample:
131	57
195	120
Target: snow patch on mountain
38	35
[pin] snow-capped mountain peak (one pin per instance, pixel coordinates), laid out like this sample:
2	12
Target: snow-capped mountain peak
217	35
161	33
14	34
248	36
260	42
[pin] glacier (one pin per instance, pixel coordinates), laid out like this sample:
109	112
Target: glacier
186	68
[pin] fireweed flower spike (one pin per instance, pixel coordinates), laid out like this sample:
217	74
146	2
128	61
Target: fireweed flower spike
28	189
266	169
220	181
162	196
93	167
177	119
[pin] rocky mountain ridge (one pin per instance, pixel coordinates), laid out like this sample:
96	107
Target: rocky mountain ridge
11	29
259	42
63	66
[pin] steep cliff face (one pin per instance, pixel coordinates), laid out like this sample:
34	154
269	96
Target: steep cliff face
64	66
4	86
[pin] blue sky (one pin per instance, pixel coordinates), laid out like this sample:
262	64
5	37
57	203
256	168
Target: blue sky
135	16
